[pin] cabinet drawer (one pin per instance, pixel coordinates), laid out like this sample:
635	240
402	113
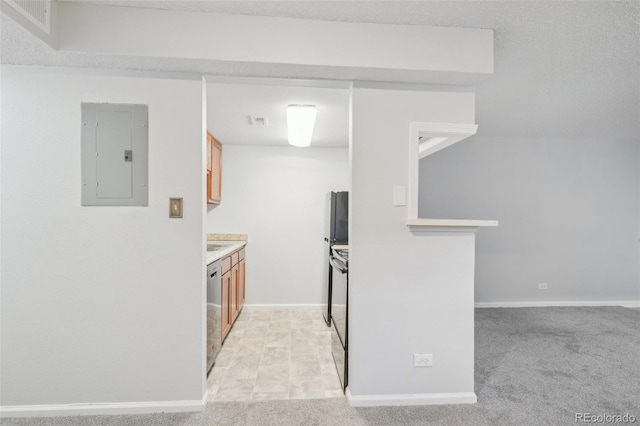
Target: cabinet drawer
234	258
241	255
226	264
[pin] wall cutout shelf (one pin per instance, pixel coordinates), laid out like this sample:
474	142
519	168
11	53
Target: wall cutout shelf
448	225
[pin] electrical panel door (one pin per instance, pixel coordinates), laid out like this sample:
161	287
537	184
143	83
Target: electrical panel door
114	155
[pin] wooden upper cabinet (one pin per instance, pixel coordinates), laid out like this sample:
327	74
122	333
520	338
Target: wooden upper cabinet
209	143
214	170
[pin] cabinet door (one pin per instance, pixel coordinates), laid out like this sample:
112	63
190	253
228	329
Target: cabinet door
208	185
235	306
226	304
242	281
216	171
209	149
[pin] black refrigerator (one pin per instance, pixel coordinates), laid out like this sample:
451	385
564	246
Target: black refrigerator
337	234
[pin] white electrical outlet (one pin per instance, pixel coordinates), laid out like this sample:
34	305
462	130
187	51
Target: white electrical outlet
543	286
422	360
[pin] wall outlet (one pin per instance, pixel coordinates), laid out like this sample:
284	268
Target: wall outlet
422	360
543	286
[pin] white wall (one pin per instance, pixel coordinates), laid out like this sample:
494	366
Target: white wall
278	196
445	55
409	293
99	304
568	212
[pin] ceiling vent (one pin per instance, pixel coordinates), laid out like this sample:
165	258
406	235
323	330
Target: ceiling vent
38	12
258	120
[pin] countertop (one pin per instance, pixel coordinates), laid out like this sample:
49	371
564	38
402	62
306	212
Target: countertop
229	247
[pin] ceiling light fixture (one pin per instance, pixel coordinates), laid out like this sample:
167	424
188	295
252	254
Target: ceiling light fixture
300	122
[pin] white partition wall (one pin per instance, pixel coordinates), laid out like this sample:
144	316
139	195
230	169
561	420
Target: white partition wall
102	306
409	292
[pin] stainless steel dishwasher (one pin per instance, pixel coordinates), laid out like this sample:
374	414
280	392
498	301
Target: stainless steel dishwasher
214	315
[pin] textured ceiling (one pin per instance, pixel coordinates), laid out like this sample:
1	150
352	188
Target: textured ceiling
562	69
230	105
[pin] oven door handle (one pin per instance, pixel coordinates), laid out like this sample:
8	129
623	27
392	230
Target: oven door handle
338	265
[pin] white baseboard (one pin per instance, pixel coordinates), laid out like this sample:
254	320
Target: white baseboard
90	409
411	399
623	303
267	306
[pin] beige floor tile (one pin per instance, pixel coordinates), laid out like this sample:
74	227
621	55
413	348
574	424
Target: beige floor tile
328	370
216	375
243	367
232	395
260	317
280	325
280	315
302	334
223	359
281	370
267	382
302	324
322	338
250	346
258	325
306	388
270	396
212	389
331	383
304	366
236	331
254	334
326	350
325	356
275	354
303	346
231	341
298	394
277	339
235	390
307	314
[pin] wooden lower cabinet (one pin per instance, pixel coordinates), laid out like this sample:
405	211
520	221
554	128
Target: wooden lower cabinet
242	282
226	304
235	299
233	289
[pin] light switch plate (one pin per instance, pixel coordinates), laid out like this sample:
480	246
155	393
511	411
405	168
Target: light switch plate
423	360
399	195
175	207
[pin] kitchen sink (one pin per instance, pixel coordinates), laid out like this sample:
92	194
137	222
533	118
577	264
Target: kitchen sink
216	247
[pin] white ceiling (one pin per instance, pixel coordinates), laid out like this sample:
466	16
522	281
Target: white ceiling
229	107
562	69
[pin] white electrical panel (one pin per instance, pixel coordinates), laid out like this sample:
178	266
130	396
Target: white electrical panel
114	155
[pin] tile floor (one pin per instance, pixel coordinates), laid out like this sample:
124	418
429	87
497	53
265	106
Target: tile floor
275	353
